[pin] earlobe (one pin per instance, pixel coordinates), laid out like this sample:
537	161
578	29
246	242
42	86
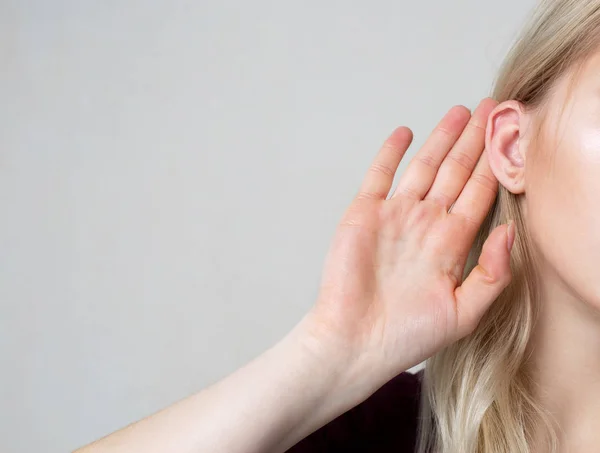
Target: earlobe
506	153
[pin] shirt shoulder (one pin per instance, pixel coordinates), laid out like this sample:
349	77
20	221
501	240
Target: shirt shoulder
384	422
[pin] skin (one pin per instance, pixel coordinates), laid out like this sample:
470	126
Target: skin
391	295
559	178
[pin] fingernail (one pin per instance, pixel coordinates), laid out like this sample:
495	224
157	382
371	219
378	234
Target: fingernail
510	235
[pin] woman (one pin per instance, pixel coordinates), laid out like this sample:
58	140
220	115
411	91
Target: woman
426	272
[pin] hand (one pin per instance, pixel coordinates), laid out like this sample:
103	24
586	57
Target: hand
392	293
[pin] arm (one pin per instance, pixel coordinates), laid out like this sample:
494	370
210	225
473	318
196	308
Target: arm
388	300
269	404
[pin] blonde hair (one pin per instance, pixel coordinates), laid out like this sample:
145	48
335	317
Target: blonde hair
477	394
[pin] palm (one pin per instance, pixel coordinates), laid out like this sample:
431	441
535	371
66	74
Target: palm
393	273
384	268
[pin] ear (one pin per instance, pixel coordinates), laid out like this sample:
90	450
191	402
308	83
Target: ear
506	150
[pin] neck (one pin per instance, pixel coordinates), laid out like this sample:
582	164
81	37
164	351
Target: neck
566	363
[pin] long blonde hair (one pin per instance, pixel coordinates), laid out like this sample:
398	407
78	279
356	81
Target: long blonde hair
477	394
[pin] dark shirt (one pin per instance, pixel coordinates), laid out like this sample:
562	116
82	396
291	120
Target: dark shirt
385	422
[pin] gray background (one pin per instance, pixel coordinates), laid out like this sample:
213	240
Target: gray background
171	174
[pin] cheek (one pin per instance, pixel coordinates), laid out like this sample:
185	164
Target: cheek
563	212
589	149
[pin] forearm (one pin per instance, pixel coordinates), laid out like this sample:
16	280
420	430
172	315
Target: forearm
268	405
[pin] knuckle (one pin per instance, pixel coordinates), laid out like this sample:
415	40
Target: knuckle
382	169
409	192
462	159
353	216
486	277
485	181
427	160
390	146
441	200
420	213
394	210
350	222
474	124
469	222
444	131
368	196
493	280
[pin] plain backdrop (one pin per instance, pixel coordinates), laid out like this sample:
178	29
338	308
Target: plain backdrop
171	174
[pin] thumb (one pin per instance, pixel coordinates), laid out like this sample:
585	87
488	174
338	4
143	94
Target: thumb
487	280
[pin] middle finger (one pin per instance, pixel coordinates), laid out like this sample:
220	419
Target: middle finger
462	158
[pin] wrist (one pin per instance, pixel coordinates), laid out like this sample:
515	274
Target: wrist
345	373
322	380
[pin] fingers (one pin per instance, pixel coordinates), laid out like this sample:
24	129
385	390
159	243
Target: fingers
422	169
485	282
378	181
477	197
461	160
